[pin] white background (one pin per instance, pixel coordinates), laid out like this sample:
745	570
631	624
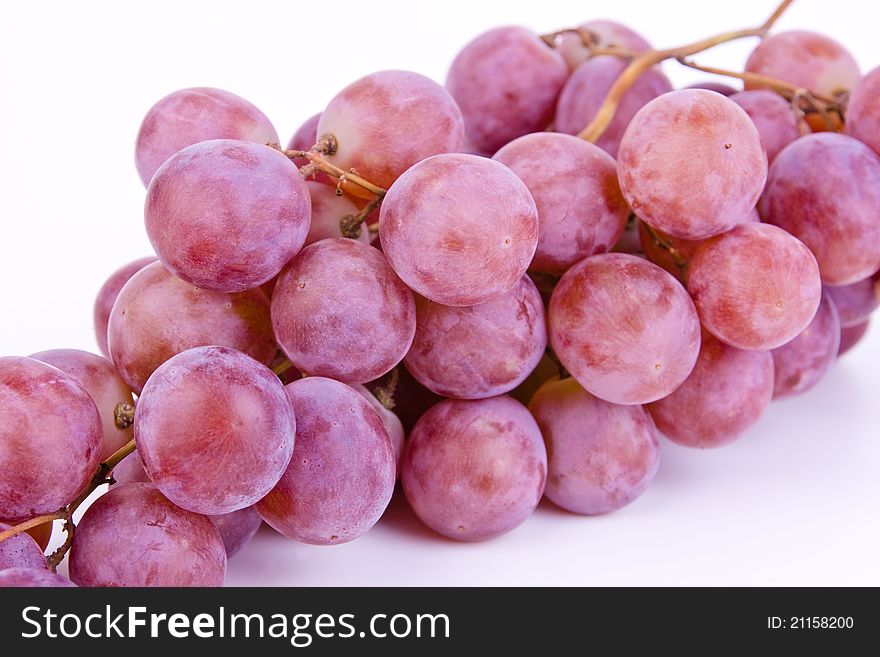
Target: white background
795	501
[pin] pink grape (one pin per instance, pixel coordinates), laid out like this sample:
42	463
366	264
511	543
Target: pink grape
605	34
601	456
863	110
473	470
133	536
825	190
189	116
581	211
158	315
32	578
99	378
479	351
546	369
237	528
459	229
506	82
586	89
328	209
727	393
305	137
805	59
107	297
801	363
755	287
342	473
391	422
675	264
340	311
773	116
227	215
717	87
214	430
626	330
21	551
850	336
50	438
700	179
379	123
856	302
131	470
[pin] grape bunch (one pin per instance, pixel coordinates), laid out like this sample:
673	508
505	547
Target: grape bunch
498	290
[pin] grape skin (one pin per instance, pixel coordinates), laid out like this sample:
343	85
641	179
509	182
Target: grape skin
392	423
624	328
473	470
133	536
189	116
700	179
506	82
863	111
717	87
226	215
586	89
342	473
31	578
772	115
459	229
340	311
379	123
801	363
601	456
214	430
107	297
755	287
158	315
727	393
850	336
479	351
131	470
825	190
805	59
50	438
581	211
606	33
856	302
237	528
99	378
21	551
328	209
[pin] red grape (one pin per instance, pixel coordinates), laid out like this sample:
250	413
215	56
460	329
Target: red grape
479	351
340	311
702	177
158	315
506	82
392	423
107	297
755	287
717	87
21	551
459	229
342	473
604	34
237	528
214	429
856	302
50	438
863	110
385	122
188	116
624	328
227	215
601	456
825	190
801	363
473	470
131	470
727	392
581	211
773	116
850	336
133	536
31	577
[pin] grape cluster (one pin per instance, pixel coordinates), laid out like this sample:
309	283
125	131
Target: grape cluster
451	287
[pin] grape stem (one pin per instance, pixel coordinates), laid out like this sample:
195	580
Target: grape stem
680	262
589	40
385	392
104	475
642	62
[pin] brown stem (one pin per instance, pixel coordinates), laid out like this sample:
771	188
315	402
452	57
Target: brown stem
385	392
123	415
351	224
588	41
319	163
644	61
680	261
30	524
282	367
